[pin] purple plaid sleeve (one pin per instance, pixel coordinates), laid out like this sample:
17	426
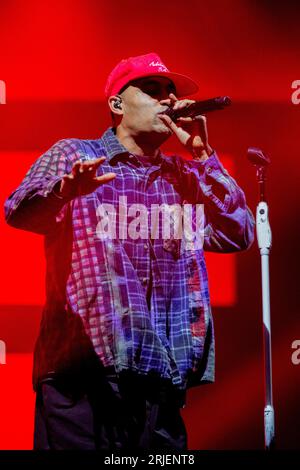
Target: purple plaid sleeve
229	223
33	206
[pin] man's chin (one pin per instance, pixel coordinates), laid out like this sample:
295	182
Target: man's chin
159	133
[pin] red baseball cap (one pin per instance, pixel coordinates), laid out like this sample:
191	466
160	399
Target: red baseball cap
147	65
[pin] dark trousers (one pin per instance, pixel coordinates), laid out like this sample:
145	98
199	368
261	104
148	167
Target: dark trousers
129	412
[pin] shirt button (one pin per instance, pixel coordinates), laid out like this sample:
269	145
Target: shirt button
146	246
209	169
144	280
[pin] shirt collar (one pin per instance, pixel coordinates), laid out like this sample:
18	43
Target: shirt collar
114	147
112	144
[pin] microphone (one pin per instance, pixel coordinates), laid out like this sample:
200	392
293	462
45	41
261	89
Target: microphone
199	107
257	157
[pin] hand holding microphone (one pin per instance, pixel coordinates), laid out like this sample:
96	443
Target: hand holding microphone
184	118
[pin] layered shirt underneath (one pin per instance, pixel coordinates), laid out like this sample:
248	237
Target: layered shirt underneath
138	302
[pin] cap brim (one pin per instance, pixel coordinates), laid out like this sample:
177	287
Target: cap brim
185	86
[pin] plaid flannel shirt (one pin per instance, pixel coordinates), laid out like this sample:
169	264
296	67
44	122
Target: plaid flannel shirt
141	304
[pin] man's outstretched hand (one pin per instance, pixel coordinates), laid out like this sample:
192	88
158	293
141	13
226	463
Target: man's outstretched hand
191	132
83	180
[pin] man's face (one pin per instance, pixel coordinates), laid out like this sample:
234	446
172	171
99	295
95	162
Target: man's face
142	101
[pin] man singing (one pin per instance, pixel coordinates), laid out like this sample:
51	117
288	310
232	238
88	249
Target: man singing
127	326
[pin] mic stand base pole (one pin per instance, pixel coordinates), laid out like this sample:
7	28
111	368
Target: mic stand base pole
264	238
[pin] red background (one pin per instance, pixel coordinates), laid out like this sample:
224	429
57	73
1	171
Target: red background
54	59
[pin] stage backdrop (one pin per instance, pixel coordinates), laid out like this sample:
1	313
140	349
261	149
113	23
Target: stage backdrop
55	57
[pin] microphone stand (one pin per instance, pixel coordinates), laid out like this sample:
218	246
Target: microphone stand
264	240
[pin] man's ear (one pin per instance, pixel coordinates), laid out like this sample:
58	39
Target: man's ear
115	104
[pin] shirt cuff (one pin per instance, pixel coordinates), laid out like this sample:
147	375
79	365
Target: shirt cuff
211	163
50	191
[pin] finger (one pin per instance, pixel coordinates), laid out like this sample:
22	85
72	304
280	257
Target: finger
91	165
189	125
200	118
70	176
185	132
85	167
167	120
181	133
166	101
171	124
185	119
177	127
97	161
93	162
173	97
82	167
76	167
202	127
183	104
105	178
